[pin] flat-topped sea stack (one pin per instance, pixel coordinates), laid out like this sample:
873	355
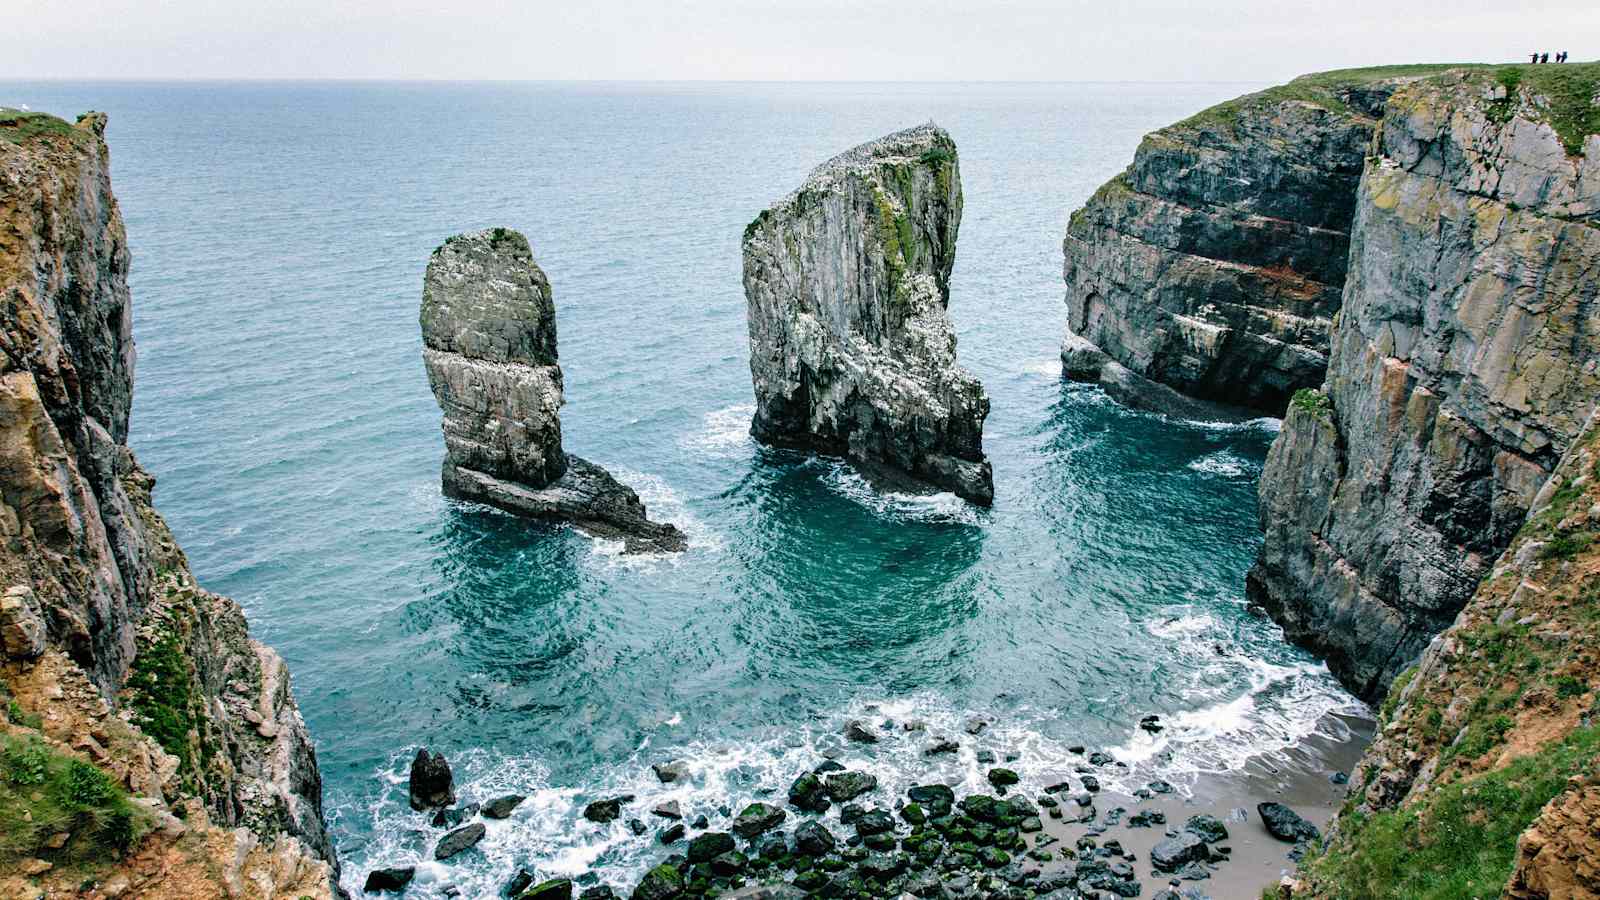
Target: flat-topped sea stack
847	282
1213	266
489	345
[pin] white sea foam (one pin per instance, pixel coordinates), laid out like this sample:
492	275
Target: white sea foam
726	433
1047	368
663	505
938	507
1264	423
1225	464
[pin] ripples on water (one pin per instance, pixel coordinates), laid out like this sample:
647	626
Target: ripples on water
279	234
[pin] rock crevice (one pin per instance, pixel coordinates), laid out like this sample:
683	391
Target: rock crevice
1214	264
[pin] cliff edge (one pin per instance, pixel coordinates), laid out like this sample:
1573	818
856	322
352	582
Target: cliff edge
1214	264
150	747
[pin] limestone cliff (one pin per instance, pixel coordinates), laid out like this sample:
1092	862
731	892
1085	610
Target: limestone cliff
489	346
847	284
1214	264
1465	360
1485	774
151	748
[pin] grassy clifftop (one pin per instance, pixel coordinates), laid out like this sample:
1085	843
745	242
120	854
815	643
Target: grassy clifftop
1567	89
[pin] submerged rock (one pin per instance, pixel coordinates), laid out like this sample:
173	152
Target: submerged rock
847	284
489	346
501	807
462	839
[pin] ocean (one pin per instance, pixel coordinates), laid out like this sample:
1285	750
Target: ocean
279	232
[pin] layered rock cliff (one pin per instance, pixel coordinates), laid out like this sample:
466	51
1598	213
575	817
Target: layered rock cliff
1214	264
150	746
847	282
1465	361
489	347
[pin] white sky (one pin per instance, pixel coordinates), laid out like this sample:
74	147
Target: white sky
917	40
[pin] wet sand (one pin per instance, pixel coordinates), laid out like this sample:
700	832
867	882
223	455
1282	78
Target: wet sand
1298	777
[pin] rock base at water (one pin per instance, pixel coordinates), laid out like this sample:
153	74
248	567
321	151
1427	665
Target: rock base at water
585	496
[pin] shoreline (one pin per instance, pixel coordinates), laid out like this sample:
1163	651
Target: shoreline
1298	776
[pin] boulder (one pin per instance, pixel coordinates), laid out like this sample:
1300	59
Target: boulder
554	889
845	786
1174	853
705	847
393	880
1285	824
757	818
663	882
814	839
462	839
431	785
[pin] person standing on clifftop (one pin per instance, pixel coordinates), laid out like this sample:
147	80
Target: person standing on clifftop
1535	59
1561	57
1544	57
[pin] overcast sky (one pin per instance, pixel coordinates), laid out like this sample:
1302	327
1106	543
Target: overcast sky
950	40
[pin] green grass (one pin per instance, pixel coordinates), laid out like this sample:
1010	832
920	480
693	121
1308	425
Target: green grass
935	156
1312	401
44	792
1567	93
1461	842
1319	88
162	694
19	127
1570	90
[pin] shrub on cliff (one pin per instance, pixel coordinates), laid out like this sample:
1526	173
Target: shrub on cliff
46	793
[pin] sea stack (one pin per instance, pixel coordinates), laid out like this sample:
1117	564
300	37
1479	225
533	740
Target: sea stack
847	282
489	345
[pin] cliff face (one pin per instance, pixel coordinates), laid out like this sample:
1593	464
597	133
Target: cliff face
1465	360
489	346
113	657
847	282
1214	264
1485	773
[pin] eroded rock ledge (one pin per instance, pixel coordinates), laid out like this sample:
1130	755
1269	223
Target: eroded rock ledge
489	346
847	282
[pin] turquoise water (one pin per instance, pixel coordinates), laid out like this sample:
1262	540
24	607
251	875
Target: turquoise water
279	235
